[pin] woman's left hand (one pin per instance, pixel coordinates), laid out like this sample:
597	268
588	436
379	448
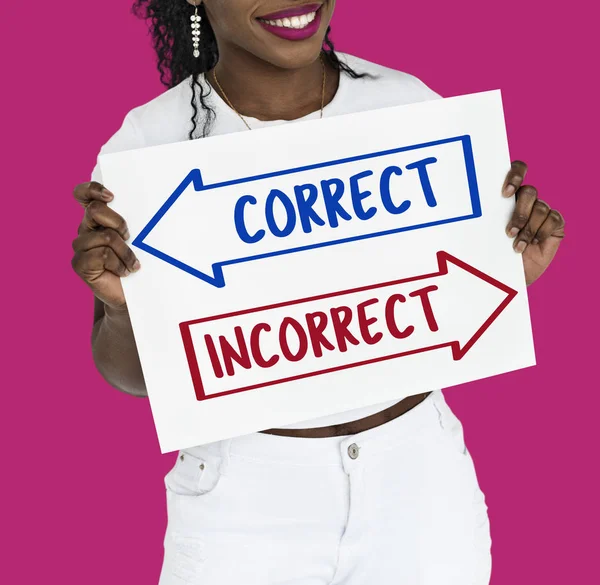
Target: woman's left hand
537	229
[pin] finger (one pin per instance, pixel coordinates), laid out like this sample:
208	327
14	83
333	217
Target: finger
91	264
92	191
112	239
553	226
526	197
526	236
98	214
514	178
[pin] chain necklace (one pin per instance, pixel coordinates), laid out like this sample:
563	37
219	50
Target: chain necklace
242	117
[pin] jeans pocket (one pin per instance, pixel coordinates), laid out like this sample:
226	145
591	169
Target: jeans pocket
193	475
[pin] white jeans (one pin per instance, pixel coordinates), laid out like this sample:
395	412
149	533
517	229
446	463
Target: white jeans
398	504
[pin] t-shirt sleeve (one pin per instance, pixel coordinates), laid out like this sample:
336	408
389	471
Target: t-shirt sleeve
127	137
423	89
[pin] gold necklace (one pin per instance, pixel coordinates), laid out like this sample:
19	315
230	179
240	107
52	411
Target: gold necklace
242	117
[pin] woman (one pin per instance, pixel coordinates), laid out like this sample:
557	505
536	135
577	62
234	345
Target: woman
386	494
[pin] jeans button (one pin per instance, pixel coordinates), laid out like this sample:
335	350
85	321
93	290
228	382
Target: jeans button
353	451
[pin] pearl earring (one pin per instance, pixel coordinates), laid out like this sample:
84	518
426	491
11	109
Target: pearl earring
196	18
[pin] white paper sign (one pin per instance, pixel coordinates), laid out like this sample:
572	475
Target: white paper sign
316	267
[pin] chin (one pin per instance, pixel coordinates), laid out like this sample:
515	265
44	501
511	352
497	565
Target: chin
294	57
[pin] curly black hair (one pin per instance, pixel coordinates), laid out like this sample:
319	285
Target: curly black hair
169	23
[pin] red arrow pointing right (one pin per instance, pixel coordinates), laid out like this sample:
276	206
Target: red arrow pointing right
452	307
448	265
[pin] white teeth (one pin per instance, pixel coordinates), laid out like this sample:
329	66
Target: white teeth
297	22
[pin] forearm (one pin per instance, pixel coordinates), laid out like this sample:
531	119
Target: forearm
115	353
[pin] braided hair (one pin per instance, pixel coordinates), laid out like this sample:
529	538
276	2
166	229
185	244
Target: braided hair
169	27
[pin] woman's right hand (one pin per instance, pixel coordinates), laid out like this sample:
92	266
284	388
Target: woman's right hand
101	255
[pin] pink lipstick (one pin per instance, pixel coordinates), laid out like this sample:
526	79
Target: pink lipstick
293	24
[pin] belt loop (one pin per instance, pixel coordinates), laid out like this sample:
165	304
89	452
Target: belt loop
225	446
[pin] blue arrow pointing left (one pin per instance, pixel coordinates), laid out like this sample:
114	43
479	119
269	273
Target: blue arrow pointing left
217	279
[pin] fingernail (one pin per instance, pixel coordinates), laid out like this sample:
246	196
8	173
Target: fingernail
126	273
535	241
107	195
508	190
521	247
136	265
127	235
513	232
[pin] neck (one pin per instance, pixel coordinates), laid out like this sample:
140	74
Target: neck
260	90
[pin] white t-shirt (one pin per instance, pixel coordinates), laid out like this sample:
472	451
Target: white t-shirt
167	119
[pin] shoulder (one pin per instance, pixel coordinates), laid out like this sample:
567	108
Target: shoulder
385	86
162	120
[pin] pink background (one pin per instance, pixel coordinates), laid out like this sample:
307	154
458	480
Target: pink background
82	485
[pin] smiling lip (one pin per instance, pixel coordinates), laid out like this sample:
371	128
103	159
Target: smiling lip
297	11
294	34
